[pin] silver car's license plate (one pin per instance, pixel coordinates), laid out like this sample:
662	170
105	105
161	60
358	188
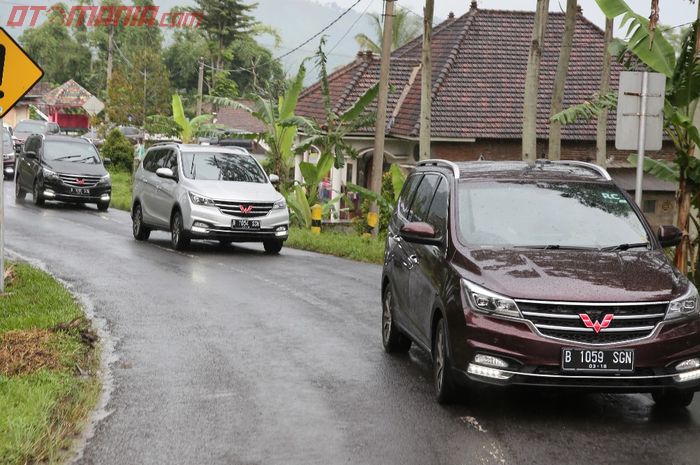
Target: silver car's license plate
600	360
248	225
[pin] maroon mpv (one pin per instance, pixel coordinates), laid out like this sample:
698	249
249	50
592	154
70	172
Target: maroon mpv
544	275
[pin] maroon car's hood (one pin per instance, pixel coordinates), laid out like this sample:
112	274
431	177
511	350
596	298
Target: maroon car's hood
585	276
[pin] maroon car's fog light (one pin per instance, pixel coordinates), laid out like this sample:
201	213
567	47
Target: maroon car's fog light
487	372
687	376
690	364
490	361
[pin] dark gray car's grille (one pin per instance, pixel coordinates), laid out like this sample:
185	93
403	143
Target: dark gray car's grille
563	320
79	181
244	209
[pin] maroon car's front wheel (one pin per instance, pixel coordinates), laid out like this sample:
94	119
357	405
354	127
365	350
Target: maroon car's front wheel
672	398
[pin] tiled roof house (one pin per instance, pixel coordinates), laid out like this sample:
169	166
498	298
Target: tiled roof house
479	67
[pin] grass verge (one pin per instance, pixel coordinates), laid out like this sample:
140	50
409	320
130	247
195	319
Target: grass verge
47	368
121	189
339	244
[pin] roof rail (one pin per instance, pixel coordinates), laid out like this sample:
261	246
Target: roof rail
439	162
589	166
164	143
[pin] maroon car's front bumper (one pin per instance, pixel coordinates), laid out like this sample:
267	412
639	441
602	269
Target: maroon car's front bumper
534	359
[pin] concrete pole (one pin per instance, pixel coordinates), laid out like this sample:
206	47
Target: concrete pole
426	102
378	158
642	139
200	86
601	145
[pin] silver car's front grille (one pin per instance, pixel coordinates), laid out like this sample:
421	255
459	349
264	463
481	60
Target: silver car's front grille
594	323
244	209
79	181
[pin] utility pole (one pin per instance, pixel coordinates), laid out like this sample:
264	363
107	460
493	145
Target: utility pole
200	85
110	58
2	208
378	158
426	97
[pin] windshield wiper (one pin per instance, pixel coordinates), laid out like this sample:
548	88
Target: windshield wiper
67	157
635	245
555	247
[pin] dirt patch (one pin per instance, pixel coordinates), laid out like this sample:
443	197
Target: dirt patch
24	352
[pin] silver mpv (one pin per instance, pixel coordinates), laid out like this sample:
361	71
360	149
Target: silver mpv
207	192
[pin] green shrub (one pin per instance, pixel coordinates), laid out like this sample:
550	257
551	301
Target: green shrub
118	148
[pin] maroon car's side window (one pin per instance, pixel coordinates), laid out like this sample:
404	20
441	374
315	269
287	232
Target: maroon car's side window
409	190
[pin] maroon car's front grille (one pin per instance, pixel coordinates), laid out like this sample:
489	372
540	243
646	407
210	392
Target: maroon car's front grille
593	323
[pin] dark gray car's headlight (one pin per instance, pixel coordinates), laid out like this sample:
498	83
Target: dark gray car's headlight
105	179
50	175
684	306
484	300
201	200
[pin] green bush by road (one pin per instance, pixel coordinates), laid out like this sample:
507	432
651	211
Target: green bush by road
343	245
47	368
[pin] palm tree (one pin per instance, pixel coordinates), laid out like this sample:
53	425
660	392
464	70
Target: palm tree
406	28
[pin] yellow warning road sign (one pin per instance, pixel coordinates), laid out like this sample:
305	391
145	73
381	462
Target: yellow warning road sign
18	72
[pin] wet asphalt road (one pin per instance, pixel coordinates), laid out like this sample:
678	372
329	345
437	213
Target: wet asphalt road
230	356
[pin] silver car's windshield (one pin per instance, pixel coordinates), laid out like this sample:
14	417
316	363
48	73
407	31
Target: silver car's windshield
546	215
221	166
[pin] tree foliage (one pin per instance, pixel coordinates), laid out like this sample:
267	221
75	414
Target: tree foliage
406	28
118	149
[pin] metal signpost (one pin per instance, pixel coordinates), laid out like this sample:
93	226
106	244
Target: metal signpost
640	117
18	74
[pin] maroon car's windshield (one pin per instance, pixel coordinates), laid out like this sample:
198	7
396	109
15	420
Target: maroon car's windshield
546	215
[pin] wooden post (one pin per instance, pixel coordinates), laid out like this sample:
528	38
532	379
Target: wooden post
601	139
200	85
426	101
532	83
378	158
554	152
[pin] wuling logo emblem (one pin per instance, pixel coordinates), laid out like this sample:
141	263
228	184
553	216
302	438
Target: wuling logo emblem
246	210
595	325
80	182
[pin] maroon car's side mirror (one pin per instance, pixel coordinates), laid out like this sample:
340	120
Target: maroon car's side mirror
669	235
420	233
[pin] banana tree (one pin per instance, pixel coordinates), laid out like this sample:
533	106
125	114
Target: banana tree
179	126
281	128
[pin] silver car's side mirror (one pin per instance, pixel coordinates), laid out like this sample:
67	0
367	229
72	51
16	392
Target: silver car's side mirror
274	179
166	173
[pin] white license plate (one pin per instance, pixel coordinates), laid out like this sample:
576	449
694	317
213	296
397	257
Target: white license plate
248	225
613	360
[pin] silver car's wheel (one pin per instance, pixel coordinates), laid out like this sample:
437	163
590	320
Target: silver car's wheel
178	235
140	231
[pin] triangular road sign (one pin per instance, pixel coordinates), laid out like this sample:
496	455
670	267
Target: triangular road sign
18	72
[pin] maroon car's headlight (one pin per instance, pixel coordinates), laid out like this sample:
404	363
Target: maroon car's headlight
684	306
484	300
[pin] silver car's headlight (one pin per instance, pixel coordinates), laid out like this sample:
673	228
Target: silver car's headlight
484	300
280	204
51	175
201	200
684	306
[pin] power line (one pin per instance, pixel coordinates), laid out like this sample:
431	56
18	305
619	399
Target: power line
371	2
320	32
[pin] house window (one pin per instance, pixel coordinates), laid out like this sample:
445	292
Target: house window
649	206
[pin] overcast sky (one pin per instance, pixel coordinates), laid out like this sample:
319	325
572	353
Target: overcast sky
673	12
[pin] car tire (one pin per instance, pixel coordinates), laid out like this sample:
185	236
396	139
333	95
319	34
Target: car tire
19	192
273	247
103	206
445	386
393	340
673	398
38	199
178	235
141	232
